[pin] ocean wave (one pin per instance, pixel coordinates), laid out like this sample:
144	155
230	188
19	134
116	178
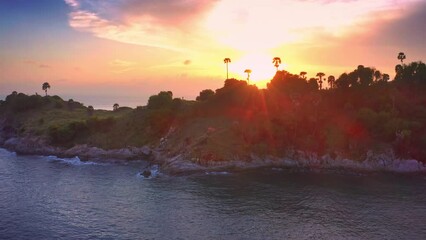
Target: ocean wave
6	153
71	161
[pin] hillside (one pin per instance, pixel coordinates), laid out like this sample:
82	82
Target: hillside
358	115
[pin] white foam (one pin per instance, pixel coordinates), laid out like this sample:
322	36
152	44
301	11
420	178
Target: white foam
155	171
6	153
71	161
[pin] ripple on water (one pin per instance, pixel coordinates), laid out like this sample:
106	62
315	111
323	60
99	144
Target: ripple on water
42	200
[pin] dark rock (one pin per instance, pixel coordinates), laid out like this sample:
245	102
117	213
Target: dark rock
146	173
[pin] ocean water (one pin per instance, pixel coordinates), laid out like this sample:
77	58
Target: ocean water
52	198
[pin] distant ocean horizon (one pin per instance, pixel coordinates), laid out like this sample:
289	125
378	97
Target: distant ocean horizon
106	102
103	102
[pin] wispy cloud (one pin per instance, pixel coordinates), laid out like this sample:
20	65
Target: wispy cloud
43	66
168	24
183	24
36	64
120	66
72	3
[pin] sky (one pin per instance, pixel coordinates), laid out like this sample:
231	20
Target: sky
105	51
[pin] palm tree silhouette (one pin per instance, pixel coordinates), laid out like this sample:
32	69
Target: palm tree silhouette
303	75
276	61
226	61
320	75
115	106
248	71
331	81
401	57
45	86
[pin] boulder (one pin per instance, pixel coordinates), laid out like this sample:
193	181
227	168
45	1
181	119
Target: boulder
146	150
95	152
405	166
123	153
142	151
11	143
85	151
146	173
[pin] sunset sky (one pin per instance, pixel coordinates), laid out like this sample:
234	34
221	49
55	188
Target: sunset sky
105	51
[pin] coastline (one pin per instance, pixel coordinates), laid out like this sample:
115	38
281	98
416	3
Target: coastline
182	164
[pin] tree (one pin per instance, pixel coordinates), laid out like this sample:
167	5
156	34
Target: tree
377	75
303	75
385	77
276	61
320	75
414	72
364	75
313	83
45	86
205	94
163	100
90	110
331	81
226	61
401	57
115	106
248	71
70	104
343	81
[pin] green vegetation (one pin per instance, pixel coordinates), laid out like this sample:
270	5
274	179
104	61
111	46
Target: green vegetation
360	111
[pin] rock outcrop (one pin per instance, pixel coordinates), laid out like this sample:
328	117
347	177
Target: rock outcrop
182	163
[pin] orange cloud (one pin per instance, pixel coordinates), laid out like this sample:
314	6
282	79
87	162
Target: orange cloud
184	25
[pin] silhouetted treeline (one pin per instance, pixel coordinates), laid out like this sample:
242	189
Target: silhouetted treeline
362	111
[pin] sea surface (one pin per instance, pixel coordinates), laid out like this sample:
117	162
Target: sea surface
53	198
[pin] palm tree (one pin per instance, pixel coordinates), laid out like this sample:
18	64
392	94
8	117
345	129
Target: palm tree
401	57
276	61
226	61
45	86
320	75
115	106
331	81
303	75
248	71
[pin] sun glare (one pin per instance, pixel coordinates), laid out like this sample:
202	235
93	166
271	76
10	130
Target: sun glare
263	69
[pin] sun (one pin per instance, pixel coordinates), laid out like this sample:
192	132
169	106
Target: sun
263	69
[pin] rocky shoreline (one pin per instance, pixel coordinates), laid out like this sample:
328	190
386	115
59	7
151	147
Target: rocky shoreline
182	164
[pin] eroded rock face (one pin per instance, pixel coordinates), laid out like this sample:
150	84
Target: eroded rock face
374	162
123	153
30	145
86	151
386	161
